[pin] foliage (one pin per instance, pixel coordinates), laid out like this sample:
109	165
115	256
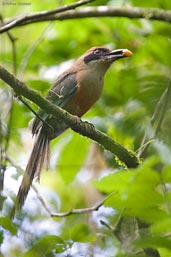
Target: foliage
81	173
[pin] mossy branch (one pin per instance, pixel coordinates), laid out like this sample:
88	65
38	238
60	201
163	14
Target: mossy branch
84	128
67	12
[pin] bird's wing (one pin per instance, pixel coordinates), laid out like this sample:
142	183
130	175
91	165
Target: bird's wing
63	89
61	92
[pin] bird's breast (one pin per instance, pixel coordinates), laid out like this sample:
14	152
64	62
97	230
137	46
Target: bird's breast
88	91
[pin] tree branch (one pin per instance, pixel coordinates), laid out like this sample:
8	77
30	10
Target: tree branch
43	14
84	128
65	13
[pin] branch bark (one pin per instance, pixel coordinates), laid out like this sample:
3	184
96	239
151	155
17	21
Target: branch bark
65	13
84	128
16	22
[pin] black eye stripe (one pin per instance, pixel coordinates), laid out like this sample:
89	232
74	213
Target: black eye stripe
90	57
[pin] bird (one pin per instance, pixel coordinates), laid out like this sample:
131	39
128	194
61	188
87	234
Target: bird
75	90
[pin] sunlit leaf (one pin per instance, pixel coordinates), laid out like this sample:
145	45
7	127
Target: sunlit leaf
72	157
166	174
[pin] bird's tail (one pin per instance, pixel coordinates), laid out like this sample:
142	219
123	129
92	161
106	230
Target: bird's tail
39	156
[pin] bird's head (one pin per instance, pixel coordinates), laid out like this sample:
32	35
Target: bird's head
102	57
103	54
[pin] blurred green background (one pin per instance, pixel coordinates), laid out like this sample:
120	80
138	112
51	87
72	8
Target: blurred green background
133	87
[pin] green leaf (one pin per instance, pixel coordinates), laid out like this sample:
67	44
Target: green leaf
114	182
72	156
162	226
166	174
136	192
154	242
164	252
81	233
46	245
122	180
1	237
6	223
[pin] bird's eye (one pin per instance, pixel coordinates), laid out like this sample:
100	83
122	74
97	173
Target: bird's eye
97	52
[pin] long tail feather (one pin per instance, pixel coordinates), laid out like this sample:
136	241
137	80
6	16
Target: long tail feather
39	156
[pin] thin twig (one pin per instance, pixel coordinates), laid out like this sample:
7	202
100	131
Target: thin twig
41	199
10	160
11	100
83	210
31	50
35	113
111	228
44	204
23	66
14	53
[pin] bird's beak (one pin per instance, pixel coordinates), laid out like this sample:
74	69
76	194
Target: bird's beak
118	54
